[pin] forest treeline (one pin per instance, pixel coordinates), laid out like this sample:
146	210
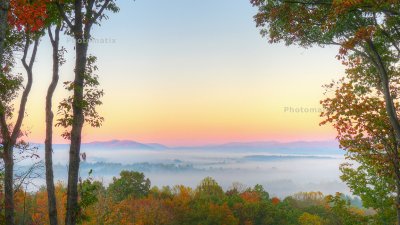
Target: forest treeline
362	105
130	199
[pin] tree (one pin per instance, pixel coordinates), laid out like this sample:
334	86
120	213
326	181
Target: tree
4	9
306	199
25	20
310	219
358	113
148	211
375	190
342	211
219	214
55	40
367	33
10	138
54	20
89	190
130	184
80	16
209	189
364	31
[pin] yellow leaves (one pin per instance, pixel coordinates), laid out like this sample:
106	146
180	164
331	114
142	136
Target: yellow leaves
148	211
379	146
310	219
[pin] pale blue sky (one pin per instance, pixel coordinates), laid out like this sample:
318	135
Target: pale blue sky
194	72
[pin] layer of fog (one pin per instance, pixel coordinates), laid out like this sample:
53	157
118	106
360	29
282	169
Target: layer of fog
281	176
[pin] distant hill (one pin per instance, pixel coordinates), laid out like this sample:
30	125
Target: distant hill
299	147
124	144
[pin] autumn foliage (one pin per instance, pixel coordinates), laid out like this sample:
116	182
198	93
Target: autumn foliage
28	15
206	204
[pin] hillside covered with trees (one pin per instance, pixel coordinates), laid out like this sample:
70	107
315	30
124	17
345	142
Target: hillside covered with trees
130	199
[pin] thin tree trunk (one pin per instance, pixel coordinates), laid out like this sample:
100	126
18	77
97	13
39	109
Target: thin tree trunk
81	29
8	183
392	114
385	83
398	202
4	6
9	203
11	139
51	196
76	133
81	48
396	166
24	212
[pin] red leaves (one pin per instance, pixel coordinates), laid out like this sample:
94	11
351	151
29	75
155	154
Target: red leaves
28	15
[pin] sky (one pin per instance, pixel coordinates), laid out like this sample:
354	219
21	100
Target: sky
184	72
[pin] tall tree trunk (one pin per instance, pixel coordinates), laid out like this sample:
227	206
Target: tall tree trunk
11	139
4	6
391	111
76	133
81	36
398	201
81	29
51	196
396	166
8	183
380	66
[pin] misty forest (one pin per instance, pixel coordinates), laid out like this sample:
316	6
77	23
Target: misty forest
54	171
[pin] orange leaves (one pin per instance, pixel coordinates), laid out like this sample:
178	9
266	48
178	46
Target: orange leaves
250	196
28	15
361	35
147	211
355	107
354	115
221	214
275	200
342	6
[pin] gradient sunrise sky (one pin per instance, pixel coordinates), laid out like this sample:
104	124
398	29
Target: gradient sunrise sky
182	72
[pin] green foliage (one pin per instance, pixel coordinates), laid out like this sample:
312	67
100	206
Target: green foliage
357	110
180	205
342	211
89	190
91	99
10	85
264	195
130	184
376	191
364	108
209	190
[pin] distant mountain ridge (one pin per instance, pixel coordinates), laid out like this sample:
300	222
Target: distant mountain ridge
274	147
306	147
124	144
